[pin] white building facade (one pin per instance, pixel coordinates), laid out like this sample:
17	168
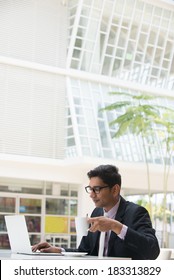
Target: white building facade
58	62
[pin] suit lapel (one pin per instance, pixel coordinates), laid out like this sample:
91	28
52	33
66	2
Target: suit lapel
121	210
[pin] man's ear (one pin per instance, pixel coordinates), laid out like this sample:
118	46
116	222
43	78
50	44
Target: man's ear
116	189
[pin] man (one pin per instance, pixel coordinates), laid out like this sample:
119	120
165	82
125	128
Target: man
128	225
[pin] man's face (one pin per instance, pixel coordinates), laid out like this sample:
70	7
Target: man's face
107	197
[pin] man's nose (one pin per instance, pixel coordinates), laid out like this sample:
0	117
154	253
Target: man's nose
92	194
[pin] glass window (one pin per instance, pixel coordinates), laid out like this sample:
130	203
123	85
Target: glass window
156	21
7	204
84	141
73	207
152	38
157	11
2	223
119	52
90	119
121	41
142	40
81	32
133	33
70	131
76	53
33	223
72	11
117	64
110	50
74	190
86	151
95	147
161	41
78	43
79	111
77	101
86	60
34	238
102	42
93	132
165	64
89	45
4	241
64	191
106	65
70	142
29	205
83	21
112	35
72	226
20	186
69	121
4	189
57	206
155	71
107	153
87	103
76	91
103	134
75	64
82	130
81	120
58	240
71	23
73	241
74	193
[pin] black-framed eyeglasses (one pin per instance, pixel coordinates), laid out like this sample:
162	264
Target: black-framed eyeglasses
95	189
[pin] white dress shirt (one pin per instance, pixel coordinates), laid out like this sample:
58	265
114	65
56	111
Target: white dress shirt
111	214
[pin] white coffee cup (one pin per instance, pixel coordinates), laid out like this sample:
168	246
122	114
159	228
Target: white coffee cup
81	226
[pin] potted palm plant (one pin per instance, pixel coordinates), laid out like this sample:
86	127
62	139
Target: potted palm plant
166	136
142	116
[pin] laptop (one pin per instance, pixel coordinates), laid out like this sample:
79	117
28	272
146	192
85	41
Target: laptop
19	237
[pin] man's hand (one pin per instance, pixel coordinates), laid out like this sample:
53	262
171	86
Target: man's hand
45	248
104	224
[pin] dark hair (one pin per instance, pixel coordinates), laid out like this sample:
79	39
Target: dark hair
108	173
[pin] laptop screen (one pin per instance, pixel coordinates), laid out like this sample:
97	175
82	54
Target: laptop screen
18	234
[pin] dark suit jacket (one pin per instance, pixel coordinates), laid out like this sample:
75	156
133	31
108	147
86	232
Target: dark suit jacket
140	241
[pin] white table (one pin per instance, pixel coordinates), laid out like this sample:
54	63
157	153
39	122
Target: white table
7	255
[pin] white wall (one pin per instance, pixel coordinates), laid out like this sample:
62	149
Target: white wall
74	170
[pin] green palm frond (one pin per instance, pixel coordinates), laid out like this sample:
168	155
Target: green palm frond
141	96
144	97
121	93
139	117
116	105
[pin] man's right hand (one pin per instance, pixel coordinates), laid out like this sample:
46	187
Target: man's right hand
45	247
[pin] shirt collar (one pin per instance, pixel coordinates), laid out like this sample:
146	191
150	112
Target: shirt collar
113	211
